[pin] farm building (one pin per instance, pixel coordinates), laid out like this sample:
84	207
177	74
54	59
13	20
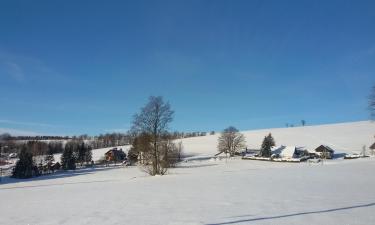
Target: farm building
325	151
115	154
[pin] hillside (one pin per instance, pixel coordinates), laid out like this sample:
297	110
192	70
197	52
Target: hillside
342	137
209	192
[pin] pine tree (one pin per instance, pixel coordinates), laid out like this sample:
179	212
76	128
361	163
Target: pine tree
49	157
68	159
267	144
88	154
81	154
25	166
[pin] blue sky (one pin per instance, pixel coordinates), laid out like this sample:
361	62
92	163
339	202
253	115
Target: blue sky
73	67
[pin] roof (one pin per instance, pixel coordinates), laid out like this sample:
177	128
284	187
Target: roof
284	151
372	146
319	149
114	150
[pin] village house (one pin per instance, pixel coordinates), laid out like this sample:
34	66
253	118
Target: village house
325	152
115	155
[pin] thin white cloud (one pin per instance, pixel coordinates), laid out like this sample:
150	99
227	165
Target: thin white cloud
116	130
371	50
22	68
16	132
32	124
14	70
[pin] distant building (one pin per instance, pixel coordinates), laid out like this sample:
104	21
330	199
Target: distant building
325	151
115	154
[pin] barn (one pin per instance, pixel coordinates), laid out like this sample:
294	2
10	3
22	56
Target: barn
325	151
115	155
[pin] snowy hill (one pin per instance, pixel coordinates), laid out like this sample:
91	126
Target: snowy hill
342	137
232	191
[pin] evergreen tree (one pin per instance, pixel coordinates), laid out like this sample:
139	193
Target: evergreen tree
25	167
81	153
49	159
267	144
68	158
88	154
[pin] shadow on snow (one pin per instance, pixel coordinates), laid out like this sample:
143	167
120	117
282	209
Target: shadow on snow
293	214
56	175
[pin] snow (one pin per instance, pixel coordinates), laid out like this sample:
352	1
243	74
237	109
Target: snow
207	192
343	137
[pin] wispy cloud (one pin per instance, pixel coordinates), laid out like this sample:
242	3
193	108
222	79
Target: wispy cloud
362	54
16	132
25	68
31	124
116	130
14	70
371	50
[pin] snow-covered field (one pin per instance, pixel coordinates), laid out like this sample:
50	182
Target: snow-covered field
206	192
344	137
210	191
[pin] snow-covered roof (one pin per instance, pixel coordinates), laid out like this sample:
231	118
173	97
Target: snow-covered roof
277	149
311	150
284	151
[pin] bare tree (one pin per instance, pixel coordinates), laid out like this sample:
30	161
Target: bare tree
141	148
153	120
231	141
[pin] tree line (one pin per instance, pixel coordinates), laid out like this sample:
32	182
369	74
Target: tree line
14	144
36	159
